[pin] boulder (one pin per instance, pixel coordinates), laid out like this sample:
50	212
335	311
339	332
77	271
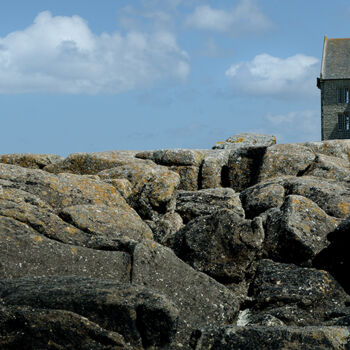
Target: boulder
176	157
191	204
189	176
296	296
143	318
30	160
234	245
246	140
335	258
333	148
153	187
92	163
199	299
243	167
214	169
261	197
298	232
285	159
110	222
24	327
271	338
25	252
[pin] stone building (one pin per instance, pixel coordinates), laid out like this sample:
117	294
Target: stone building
334	83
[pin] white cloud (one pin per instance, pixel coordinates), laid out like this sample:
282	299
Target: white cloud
268	75
61	54
297	126
244	18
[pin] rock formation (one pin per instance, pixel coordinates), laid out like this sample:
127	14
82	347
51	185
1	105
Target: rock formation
242	246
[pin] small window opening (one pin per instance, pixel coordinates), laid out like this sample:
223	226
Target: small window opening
346	95
340	95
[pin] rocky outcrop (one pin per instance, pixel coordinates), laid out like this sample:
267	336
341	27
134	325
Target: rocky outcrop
243	246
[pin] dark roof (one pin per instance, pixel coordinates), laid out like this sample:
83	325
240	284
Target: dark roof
336	59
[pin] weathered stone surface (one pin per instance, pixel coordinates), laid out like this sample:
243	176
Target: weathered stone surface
297	296
30	160
261	197
271	338
25	252
191	204
246	140
332	196
24	327
188	177
199	299
165	227
123	186
333	148
243	167
176	156
222	245
142	317
298	231
330	168
285	159
214	169
60	190
335	258
107	221
153	187
92	163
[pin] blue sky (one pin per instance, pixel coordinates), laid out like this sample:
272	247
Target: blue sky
80	76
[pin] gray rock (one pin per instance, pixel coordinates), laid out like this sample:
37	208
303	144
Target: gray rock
298	232
243	167
191	204
271	338
329	168
246	139
214	169
335	258
92	163
25	252
30	160
333	148
189	176
143	318
285	159
24	327
261	197
234	245
199	299
187	157
153	187
297	296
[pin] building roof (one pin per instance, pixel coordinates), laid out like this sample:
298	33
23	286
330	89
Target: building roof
336	59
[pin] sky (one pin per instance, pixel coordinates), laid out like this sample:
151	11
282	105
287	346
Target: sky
86	76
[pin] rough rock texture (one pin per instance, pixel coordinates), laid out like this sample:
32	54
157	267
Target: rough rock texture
28	160
100	301
298	231
153	187
246	139
244	246
191	204
272	338
222	245
24	327
285	159
296	296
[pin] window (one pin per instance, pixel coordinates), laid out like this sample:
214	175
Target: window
340	122
346	95
344	122
340	95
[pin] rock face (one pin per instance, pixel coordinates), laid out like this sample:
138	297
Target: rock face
243	246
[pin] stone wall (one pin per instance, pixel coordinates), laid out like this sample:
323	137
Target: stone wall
330	108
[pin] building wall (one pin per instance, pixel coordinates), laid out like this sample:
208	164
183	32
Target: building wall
330	108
